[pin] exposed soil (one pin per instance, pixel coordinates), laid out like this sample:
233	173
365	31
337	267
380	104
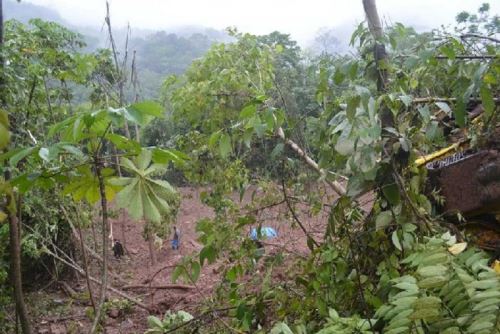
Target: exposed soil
135	268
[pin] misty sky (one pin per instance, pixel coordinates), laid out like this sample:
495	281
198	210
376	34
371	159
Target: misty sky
300	18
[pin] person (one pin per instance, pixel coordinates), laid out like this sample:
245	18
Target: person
118	249
266	232
256	234
176	238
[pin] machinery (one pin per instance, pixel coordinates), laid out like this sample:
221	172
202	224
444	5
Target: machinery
469	182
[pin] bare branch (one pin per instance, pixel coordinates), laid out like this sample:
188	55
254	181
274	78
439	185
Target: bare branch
458	57
158	287
292	210
480	37
336	186
84	256
95	280
445	99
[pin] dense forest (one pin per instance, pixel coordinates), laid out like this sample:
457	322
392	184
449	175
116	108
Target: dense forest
202	181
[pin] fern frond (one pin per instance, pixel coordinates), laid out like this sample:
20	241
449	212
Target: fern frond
444	293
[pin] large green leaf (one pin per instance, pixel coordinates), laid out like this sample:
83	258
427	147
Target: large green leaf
147	108
84	185
142	113
225	145
4	129
143	160
143	196
123	143
164	156
14	160
383	220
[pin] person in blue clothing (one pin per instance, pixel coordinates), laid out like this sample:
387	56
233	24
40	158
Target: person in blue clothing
265	232
256	234
176	238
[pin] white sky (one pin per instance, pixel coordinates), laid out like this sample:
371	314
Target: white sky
300	18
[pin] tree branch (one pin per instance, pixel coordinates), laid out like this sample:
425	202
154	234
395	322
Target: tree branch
445	99
95	280
158	287
297	220
458	57
480	37
336	186
90	251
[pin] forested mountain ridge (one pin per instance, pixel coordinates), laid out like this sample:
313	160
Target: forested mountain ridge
159	53
24	11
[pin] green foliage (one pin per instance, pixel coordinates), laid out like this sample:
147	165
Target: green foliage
122	306
442	291
143	196
221	83
85	186
481	22
40	61
45	55
4	129
5	289
236	80
337	324
170	321
232	106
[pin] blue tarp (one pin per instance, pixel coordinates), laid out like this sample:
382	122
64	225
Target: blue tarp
266	232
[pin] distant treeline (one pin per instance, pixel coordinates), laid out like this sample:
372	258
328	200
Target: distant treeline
159	53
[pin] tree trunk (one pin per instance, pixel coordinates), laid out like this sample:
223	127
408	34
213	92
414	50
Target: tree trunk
15	267
86	267
124	234
380	55
122	211
374	23
151	245
104	209
94	235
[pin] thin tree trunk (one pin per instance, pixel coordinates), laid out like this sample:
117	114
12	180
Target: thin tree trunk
94	235
120	71
122	211
86	267
151	245
374	23
15	264
104	282
380	55
124	235
150	234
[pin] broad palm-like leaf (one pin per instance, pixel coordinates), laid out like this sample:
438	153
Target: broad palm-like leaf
142	195
85	185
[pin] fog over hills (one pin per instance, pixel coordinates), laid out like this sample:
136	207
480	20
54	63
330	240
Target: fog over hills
168	38
159	53
94	33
